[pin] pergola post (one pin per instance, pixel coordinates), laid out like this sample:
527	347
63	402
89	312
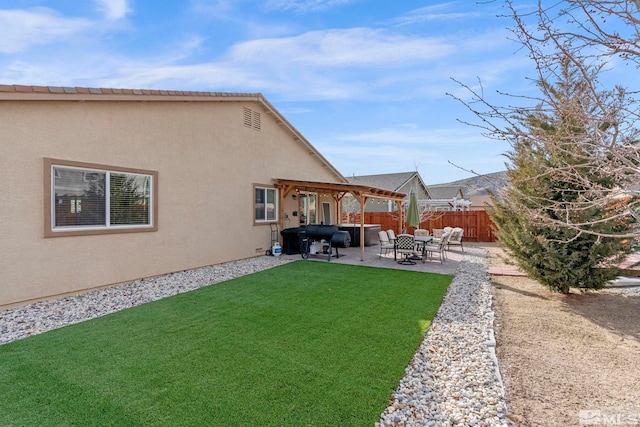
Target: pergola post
362	209
284	193
362	200
338	198
400	218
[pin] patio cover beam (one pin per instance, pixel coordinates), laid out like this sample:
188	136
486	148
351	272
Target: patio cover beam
338	189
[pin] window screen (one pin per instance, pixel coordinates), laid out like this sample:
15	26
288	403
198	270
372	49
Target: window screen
99	199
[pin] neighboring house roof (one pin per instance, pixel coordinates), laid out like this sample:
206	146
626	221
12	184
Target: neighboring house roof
445	192
58	93
483	184
389	181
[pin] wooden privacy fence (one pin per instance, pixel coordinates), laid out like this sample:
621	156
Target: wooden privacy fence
477	225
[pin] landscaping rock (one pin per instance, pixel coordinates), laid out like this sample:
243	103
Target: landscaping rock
453	379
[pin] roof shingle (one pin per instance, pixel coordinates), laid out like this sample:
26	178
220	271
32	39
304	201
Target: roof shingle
115	91
389	181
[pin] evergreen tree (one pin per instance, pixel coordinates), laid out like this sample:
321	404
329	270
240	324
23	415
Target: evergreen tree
554	180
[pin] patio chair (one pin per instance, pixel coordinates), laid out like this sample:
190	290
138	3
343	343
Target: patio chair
405	245
392	235
437	247
422	236
455	238
421	232
385	243
437	233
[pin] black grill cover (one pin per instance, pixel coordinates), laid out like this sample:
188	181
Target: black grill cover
290	240
320	231
341	239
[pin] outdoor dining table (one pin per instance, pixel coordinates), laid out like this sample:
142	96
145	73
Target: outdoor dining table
421	242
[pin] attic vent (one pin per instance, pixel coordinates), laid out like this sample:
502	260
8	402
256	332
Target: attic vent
251	118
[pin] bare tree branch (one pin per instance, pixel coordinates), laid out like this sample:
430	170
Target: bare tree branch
586	36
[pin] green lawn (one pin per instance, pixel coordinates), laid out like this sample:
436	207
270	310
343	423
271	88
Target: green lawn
304	344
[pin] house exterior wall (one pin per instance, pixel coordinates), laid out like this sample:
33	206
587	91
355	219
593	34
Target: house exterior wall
417	186
207	163
378	205
480	203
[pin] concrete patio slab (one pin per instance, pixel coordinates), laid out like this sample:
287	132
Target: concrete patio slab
373	259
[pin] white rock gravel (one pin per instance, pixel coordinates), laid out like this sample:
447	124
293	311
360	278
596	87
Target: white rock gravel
21	322
453	379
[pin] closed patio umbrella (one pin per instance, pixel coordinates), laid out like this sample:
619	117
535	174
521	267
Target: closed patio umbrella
413	215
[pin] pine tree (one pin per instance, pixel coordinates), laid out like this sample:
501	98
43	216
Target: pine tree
553	178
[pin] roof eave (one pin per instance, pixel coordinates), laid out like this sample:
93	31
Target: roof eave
68	93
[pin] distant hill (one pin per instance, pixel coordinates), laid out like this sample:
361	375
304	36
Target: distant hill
481	185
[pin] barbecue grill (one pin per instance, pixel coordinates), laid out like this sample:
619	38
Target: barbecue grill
329	233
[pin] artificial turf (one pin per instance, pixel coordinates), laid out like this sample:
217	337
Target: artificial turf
304	344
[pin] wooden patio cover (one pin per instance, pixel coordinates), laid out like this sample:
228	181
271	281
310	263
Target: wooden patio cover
362	193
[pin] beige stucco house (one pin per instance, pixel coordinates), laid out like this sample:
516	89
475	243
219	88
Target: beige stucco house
102	186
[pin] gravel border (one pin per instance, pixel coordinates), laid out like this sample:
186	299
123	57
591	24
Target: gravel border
453	379
24	321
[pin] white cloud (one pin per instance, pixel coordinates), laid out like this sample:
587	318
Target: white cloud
175	76
113	9
22	29
438	152
334	64
217	8
412	135
360	63
359	47
432	13
305	5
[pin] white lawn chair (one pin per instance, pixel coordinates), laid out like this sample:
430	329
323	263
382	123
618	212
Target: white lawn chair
437	247
385	243
420	232
392	235
439	232
455	239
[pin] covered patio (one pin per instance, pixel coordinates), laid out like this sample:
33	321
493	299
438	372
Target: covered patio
337	190
369	258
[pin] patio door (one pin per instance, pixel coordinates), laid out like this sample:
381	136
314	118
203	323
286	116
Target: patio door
326	213
308	208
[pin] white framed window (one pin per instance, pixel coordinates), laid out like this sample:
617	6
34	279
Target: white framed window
95	199
265	202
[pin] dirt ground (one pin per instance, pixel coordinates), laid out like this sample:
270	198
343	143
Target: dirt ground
566	360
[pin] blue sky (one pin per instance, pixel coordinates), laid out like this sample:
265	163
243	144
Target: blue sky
364	81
